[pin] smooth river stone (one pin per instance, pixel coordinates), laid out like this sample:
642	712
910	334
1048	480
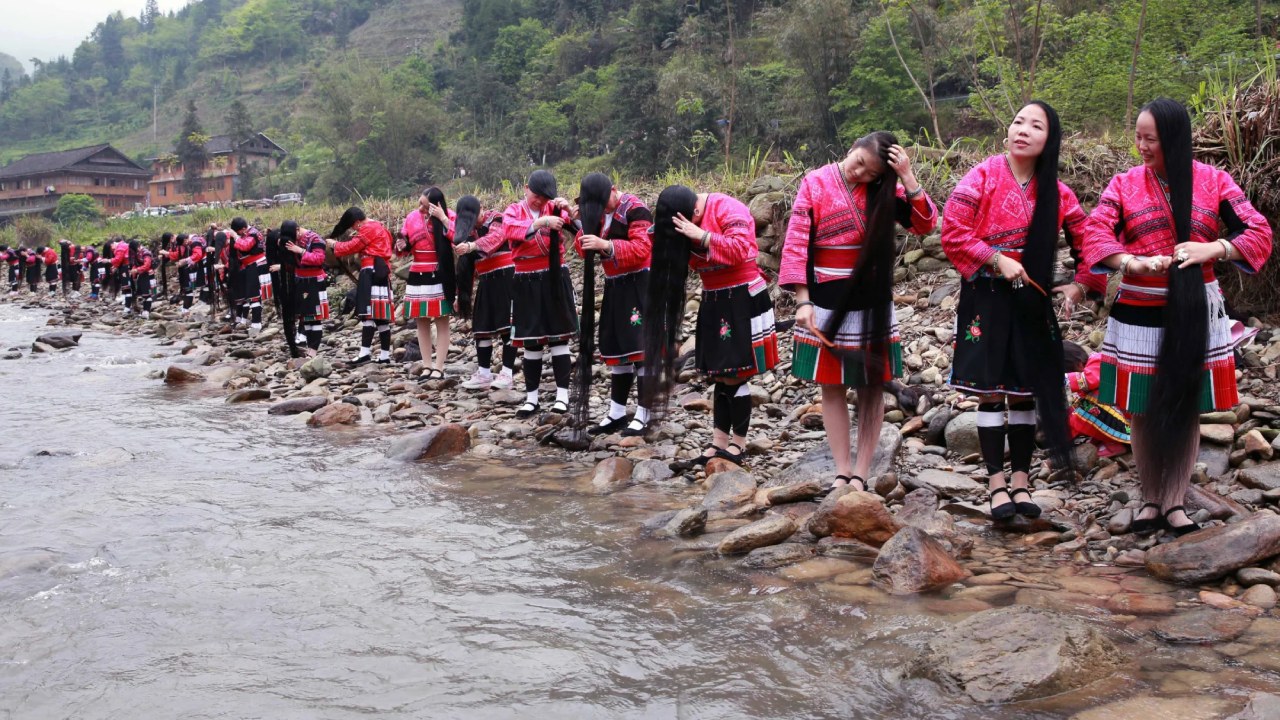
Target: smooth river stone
913	562
762	533
1204	625
1197	707
1212	553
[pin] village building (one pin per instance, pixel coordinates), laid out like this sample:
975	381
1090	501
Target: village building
32	185
221	175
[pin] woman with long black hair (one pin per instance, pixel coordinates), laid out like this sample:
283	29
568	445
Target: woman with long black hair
838	258
310	300
1167	353
1000	229
714	235
614	226
374	304
485	262
432	287
141	275
543	314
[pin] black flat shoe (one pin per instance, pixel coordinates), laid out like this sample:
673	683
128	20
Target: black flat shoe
527	410
635	429
1003	511
1026	509
608	426
559	407
383	361
733	457
1146	525
1179	530
361	360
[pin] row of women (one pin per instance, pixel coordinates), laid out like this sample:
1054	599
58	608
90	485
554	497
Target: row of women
1166	357
124	268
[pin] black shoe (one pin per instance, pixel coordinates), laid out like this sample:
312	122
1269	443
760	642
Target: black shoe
733	457
635	429
608	426
1146	525
1026	509
559	407
362	359
383	361
527	410
1003	511
1179	530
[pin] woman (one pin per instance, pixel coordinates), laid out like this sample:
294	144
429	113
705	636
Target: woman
542	314
1000	229
12	257
1167	354
485	256
374	306
838	258
615	226
432	286
50	258
179	254
714	235
254	275
141	275
310	294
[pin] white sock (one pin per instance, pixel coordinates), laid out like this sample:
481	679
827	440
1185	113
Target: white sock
642	414
531	397
364	352
484	373
384	355
256	326
616	410
506	371
562	395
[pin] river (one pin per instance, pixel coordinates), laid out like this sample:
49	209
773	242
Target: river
166	555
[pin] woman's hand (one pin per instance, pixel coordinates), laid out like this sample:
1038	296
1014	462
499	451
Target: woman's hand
901	164
551	222
1010	269
274	268
330	242
594	242
686	228
1196	253
1072	295
1149	265
295	249
804	317
463	248
437	212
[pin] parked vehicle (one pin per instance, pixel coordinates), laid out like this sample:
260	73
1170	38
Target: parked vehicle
154	212
288	199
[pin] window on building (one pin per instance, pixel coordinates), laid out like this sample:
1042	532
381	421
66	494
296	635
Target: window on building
97	182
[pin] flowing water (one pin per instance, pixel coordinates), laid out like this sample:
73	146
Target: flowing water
165	555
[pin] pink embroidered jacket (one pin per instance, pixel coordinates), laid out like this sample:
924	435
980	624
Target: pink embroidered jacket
839	213
530	250
310	262
730	258
1133	216
422	242
495	253
628	228
989	211
251	246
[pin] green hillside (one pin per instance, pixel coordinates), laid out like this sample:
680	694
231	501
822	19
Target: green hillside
376	97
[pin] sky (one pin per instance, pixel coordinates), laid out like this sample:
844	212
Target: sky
48	28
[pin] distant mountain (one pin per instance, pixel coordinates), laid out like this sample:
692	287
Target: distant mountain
11	64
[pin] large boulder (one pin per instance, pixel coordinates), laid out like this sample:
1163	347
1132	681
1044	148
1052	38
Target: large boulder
942	482
761	533
340	413
962	434
298	405
1201	626
858	515
1260	477
437	442
249	395
611	474
60	340
176	376
913	562
316	367
1212	553
819	464
729	490
1016	653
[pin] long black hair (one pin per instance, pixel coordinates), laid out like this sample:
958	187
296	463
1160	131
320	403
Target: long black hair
668	272
1173	408
467	215
593	198
1041	358
348	220
285	296
444	248
869	288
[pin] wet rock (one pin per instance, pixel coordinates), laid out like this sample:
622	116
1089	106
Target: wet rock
1218	434
1260	477
1257	576
762	533
718	465
729	490
858	515
650	471
795	492
1263	596
946	484
1217	551
611	474
1262	706
60	340
317	367
39	347
1203	625
686	523
1147	707
1140	604
847	549
1218	507
1016	653
336	414
249	395
298	405
776	556
913	562
176	375
819	464
962	434
437	442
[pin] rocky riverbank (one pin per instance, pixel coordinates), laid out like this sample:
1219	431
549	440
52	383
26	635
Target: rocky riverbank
924	531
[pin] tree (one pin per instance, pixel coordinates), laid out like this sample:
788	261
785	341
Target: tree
240	127
191	152
75	208
150	14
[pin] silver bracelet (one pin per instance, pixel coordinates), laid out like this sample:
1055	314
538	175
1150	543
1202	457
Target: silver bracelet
913	194
1227	248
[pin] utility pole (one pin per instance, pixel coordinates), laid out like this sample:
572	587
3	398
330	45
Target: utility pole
155	96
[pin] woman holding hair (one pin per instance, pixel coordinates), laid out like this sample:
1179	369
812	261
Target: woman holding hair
838	258
543	315
485	258
310	294
141	274
714	235
432	286
1000	229
374	306
1167	353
